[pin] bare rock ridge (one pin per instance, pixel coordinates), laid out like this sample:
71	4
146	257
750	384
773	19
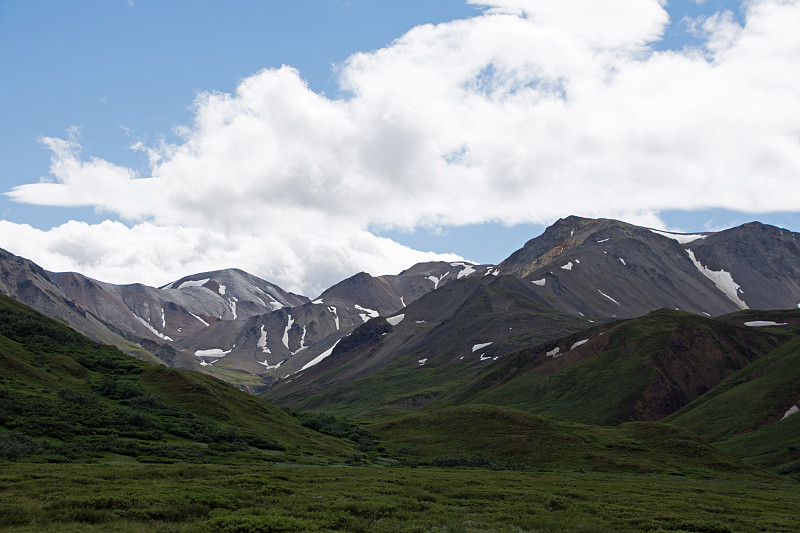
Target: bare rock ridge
579	271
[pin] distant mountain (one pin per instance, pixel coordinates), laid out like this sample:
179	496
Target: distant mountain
423	350
28	283
276	344
612	269
251	332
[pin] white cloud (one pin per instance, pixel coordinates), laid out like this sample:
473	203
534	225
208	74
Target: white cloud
529	112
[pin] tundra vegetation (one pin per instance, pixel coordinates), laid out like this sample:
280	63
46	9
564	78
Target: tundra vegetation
93	440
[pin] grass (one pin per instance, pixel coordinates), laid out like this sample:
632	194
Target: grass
505	438
66	398
742	415
122	497
614	381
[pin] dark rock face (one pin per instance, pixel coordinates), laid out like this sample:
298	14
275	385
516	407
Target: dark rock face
763	260
611	269
579	270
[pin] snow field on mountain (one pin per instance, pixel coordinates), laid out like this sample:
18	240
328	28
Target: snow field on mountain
579	343
682	238
332	309
186	284
607	296
262	341
465	271
763	323
151	328
722	279
367	314
285	338
321	356
198	318
394	320
213	352
792	410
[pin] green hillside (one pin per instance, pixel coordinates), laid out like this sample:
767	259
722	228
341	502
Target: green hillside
64	397
638	369
508	438
743	415
380	369
240	464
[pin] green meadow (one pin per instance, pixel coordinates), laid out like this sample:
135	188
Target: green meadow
255	498
94	440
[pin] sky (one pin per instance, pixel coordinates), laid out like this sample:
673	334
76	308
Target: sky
305	141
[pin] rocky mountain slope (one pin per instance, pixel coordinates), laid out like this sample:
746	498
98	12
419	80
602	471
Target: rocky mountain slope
612	269
253	333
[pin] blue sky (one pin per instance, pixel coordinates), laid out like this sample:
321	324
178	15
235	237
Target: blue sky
98	77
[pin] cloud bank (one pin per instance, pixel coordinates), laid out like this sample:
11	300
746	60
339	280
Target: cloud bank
525	113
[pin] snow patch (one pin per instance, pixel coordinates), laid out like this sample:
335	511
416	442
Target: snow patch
402	302
269	366
539	282
554	352
186	284
317	302
682	238
722	280
568	266
420	322
763	323
198	318
792	410
232	302
321	356
622	261
394	320
584	341
607	296
262	341
477	347
285	338
422	361
274	304
436	280
367	314
152	329
302	343
604	240
163	320
332	309
213	352
465	271
221	289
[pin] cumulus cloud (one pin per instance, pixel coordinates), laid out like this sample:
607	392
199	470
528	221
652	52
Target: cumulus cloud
526	113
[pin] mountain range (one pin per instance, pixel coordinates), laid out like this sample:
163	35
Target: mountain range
594	322
579	271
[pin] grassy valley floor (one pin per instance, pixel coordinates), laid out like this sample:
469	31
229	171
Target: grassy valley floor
184	497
